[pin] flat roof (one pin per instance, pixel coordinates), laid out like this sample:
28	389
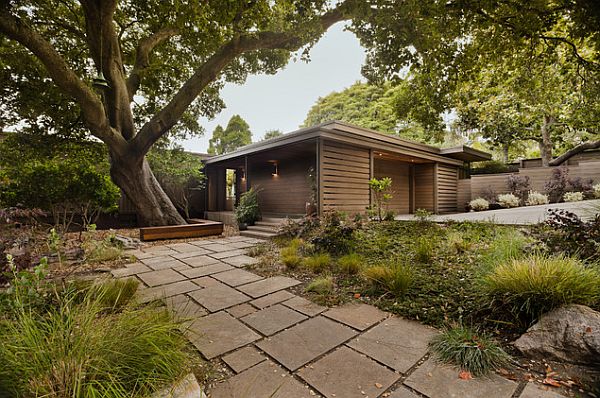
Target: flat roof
359	136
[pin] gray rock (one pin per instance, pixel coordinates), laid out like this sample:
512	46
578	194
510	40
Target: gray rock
569	334
187	387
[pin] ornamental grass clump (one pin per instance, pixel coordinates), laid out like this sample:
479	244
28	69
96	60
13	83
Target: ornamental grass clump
317	263
393	278
470	350
350	263
506	247
538	283
76	348
322	285
290	256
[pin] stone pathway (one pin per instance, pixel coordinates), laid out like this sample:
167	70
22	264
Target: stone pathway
279	345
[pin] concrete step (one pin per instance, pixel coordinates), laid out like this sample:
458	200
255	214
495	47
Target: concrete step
273	220
257	234
268	224
263	228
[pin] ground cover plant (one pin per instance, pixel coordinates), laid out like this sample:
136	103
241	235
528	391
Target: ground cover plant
86	340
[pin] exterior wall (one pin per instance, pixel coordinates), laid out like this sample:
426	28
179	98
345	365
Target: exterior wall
446	186
592	155
424	186
463	195
537	178
344	175
399	172
286	193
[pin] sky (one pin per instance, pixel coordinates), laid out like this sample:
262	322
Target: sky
281	101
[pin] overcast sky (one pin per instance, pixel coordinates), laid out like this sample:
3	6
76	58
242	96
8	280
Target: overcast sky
281	101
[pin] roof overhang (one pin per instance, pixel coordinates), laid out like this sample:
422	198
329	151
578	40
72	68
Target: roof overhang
466	154
358	136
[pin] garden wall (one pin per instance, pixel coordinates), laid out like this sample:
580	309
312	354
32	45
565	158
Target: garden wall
471	188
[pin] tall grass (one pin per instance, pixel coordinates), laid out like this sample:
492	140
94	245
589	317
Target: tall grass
322	285
78	349
507	246
318	262
350	263
539	283
424	249
469	350
394	278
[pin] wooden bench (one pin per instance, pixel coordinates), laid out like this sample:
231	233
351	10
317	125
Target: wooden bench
196	229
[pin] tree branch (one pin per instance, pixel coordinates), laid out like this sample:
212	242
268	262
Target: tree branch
166	118
574	151
142	60
63	76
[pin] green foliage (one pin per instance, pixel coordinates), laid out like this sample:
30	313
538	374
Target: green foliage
334	234
538	283
322	285
235	135
424	249
317	263
423	215
382	194
290	254
100	250
395	278
248	211
507	246
28	288
272	134
470	350
492	167
62	179
351	263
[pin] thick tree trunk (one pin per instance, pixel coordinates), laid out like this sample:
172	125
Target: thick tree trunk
546	141
153	206
505	148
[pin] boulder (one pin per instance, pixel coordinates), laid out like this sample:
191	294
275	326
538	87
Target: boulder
187	387
568	334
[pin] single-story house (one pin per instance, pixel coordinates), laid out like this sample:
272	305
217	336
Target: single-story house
333	162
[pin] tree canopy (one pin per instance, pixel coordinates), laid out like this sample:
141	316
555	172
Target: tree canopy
235	135
272	134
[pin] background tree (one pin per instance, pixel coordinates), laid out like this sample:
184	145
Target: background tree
235	135
168	59
272	134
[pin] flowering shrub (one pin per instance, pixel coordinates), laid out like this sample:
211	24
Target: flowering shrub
479	204
596	190
508	200
535	198
573	197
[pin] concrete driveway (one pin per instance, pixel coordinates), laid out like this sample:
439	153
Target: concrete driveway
520	215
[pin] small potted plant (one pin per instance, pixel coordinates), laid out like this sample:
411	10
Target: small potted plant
247	211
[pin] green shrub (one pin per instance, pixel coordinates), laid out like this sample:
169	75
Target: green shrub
248	211
335	234
322	285
394	278
289	254
350	263
457	243
539	283
318	262
469	350
76	349
424	249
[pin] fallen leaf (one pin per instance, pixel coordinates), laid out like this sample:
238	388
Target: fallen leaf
378	385
465	375
549	381
356	295
588	330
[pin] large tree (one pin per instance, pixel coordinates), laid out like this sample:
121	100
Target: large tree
164	63
235	135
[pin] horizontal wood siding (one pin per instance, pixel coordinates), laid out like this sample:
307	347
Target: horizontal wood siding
463	195
286	193
424	186
447	179
345	173
399	173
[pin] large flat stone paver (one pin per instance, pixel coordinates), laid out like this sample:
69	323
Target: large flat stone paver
358	316
206	270
271	299
237	277
265	380
533	391
199	261
346	373
218	297
269	285
162	277
403	392
197	252
244	358
228	254
240	260
182	247
241	310
218	333
304	306
273	319
132	269
218	247
441	381
396	342
164	291
184	308
302	343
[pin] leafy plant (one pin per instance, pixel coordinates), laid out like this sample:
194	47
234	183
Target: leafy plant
535	198
573	196
479	204
318	262
322	285
557	185
539	283
382	194
470	350
519	186
424	249
350	263
334	234
248	211
508	200
423	215
583	185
